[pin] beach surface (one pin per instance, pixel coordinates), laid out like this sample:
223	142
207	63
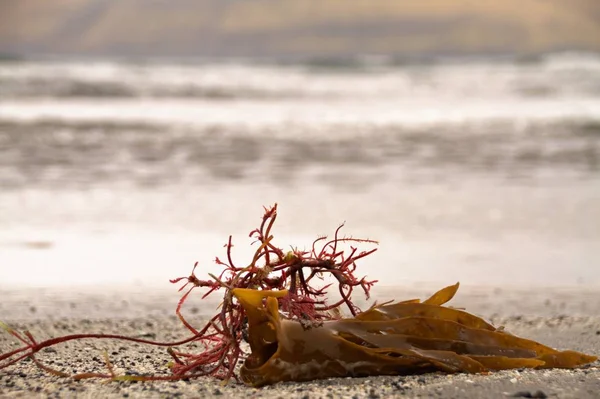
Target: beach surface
564	318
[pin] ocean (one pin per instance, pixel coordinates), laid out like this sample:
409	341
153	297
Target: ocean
479	170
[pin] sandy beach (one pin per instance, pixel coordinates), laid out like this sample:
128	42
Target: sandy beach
563	318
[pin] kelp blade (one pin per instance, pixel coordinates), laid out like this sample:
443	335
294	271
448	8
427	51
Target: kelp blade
390	339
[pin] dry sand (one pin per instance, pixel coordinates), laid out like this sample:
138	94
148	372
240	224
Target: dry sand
563	318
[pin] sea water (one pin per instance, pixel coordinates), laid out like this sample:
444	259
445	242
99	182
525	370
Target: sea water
483	170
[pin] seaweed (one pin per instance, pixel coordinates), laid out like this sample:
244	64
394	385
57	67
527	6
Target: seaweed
279	304
298	272
400	338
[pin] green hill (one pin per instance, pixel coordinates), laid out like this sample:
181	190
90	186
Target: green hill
296	27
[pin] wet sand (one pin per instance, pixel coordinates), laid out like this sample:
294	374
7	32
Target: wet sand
565	318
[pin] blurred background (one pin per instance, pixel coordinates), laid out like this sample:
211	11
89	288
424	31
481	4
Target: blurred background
136	135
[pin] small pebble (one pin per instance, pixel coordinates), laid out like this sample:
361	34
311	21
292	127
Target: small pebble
527	394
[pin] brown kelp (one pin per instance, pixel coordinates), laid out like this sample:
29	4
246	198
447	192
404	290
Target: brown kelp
400	338
279	305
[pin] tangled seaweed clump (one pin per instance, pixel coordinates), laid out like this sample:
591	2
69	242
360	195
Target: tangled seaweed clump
276	305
